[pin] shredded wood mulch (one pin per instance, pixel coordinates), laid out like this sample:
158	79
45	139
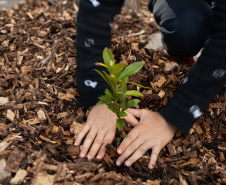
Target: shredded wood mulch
39	118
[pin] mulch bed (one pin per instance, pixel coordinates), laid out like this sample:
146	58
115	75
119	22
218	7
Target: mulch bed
39	118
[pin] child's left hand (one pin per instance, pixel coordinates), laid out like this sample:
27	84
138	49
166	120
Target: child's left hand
152	132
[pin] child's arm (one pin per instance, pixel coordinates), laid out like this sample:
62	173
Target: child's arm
205	79
93	35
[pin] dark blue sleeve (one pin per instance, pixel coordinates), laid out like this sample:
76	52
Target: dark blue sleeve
93	35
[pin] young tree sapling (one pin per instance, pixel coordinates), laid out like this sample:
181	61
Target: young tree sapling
117	79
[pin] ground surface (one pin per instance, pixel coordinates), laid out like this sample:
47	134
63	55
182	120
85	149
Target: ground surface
8	3
39	118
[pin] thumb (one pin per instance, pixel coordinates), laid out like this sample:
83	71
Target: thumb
136	112
130	119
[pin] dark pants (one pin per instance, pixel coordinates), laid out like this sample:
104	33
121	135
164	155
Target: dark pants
185	25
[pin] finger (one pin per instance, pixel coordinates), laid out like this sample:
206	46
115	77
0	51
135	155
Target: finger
129	151
154	156
87	143
138	154
127	141
82	134
136	112
96	145
130	119
109	137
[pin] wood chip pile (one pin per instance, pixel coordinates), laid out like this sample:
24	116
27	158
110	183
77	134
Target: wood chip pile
39	118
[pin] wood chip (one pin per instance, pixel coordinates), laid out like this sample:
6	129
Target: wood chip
3	129
171	150
10	115
30	122
150	182
13	163
73	150
3	172
198	129
161	94
216	105
170	66
41	115
160	82
19	177
43	178
4	100
46	139
76	128
83	177
55	129
62	115
191	154
26	69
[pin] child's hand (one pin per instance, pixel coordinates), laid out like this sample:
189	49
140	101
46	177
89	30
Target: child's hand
152	132
99	130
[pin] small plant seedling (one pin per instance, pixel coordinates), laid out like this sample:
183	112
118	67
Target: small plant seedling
117	79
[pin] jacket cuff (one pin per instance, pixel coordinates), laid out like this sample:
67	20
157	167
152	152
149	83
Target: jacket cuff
178	116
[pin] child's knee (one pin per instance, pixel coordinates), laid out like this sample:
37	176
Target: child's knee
185	27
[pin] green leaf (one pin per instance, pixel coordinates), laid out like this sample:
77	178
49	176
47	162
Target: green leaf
108	77
111	107
101	74
123	103
106	97
122	114
116	69
108	56
102	101
101	64
123	83
132	103
140	85
111	82
131	69
132	93
114	79
109	94
120	124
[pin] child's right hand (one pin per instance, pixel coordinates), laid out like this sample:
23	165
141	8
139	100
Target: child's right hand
99	131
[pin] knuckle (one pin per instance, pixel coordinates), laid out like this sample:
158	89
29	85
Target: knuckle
141	151
92	151
88	140
143	110
97	142
121	158
129	137
158	144
132	148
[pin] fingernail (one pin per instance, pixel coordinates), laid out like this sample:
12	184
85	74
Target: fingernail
127	163
98	157
118	163
82	155
119	151
88	157
76	144
151	166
